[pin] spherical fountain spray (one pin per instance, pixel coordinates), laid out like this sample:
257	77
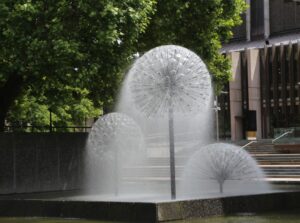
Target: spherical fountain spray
113	140
166	80
215	165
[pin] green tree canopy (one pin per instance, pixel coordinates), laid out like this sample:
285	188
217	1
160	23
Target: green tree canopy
199	25
65	55
68	56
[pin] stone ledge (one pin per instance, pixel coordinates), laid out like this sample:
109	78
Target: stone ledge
147	211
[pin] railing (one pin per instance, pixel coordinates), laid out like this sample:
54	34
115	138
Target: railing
274	140
46	128
282	135
248	144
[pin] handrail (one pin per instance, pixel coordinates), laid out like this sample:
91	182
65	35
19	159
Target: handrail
284	134
248	144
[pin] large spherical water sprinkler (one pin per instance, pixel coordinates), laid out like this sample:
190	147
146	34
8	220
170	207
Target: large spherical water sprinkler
170	79
222	164
115	138
118	129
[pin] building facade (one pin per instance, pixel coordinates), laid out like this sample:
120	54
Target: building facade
264	92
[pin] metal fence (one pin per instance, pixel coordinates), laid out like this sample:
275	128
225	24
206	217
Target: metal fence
46	128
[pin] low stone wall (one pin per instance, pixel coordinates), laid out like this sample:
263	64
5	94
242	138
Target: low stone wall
64	205
223	206
36	162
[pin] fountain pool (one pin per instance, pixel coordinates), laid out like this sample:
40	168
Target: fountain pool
291	216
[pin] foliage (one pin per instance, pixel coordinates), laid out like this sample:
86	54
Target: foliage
28	110
65	54
68	56
199	25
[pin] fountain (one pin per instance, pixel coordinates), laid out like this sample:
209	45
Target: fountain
166	80
115	141
168	83
163	120
218	165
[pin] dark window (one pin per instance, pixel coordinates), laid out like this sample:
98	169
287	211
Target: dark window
251	121
287	64
270	70
278	73
257	19
284	16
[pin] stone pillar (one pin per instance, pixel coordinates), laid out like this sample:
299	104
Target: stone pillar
248	21
236	119
254	87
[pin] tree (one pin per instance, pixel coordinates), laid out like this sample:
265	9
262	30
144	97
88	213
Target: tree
65	53
199	25
30	113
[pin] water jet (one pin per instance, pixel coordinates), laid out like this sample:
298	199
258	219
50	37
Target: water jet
114	141
170	79
219	164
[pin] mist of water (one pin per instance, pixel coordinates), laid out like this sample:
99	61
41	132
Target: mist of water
190	130
128	152
114	143
222	169
163	77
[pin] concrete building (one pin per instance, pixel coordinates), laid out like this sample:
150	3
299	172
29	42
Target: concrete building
264	92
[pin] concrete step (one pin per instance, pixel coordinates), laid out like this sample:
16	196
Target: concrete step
283	176
261	149
276	166
281	171
277	159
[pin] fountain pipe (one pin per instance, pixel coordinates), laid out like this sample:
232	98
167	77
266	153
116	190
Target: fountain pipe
116	171
221	187
172	153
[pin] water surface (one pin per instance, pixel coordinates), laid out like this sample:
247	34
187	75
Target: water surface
280	217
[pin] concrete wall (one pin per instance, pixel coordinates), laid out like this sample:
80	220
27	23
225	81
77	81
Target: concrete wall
35	162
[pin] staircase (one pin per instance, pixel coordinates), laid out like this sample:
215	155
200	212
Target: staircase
280	162
152	175
279	166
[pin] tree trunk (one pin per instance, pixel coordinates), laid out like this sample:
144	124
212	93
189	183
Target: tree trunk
8	93
2	120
